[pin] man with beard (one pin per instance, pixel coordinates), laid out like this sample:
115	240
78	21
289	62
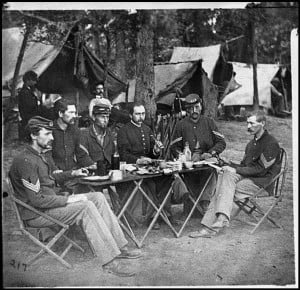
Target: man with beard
136	144
67	151
260	164
34	177
205	141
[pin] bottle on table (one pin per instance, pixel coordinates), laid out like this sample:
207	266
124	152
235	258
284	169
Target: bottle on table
187	152
116	158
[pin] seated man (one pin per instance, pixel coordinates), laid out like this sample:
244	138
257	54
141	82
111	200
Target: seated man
67	151
136	144
97	140
34	176
260	164
204	140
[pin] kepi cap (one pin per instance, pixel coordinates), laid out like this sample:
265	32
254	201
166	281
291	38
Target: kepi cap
101	109
38	121
192	99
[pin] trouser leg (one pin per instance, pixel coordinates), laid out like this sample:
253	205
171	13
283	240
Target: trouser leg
244	188
222	199
93	225
108	216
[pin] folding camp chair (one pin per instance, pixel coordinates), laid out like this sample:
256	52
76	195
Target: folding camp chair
251	205
58	227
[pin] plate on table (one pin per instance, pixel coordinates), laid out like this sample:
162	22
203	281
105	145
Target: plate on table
143	171
96	177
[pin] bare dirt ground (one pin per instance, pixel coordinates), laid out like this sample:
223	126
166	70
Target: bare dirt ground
233	258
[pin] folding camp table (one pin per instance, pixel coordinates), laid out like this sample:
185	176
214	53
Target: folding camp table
122	210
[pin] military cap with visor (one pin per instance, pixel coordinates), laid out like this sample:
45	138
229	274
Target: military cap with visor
40	122
101	109
192	99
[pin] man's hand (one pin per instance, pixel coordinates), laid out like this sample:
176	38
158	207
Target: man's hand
80	172
92	167
229	168
143	161
225	160
205	156
158	146
75	198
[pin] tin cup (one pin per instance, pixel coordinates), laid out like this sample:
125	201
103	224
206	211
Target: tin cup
123	167
116	175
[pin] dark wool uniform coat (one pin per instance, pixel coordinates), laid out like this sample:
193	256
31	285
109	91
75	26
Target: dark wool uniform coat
28	104
34	181
92	145
135	141
67	151
261	161
205	131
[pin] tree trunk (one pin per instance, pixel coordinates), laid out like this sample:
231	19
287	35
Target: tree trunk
254	63
145	68
121	58
18	65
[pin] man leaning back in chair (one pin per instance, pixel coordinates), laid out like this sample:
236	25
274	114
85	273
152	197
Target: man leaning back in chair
34	176
260	164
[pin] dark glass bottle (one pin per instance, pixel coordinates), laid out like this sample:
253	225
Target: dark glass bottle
116	158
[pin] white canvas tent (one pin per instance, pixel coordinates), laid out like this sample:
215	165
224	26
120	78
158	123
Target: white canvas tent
65	68
243	96
208	54
37	56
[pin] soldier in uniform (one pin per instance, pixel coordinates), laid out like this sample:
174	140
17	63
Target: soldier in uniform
202	132
67	150
28	100
34	177
98	139
136	144
260	164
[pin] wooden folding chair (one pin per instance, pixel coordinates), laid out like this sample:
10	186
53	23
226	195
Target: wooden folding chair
251	205
58	227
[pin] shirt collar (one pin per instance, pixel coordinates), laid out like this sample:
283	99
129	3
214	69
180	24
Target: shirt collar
262	136
96	133
135	124
32	150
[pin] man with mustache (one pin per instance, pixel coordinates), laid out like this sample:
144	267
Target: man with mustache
99	95
136	144
260	164
67	151
202	132
35	177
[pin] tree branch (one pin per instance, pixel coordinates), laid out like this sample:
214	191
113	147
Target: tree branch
46	20
43	19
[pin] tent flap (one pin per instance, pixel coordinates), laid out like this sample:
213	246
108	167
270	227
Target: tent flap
243	96
208	54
